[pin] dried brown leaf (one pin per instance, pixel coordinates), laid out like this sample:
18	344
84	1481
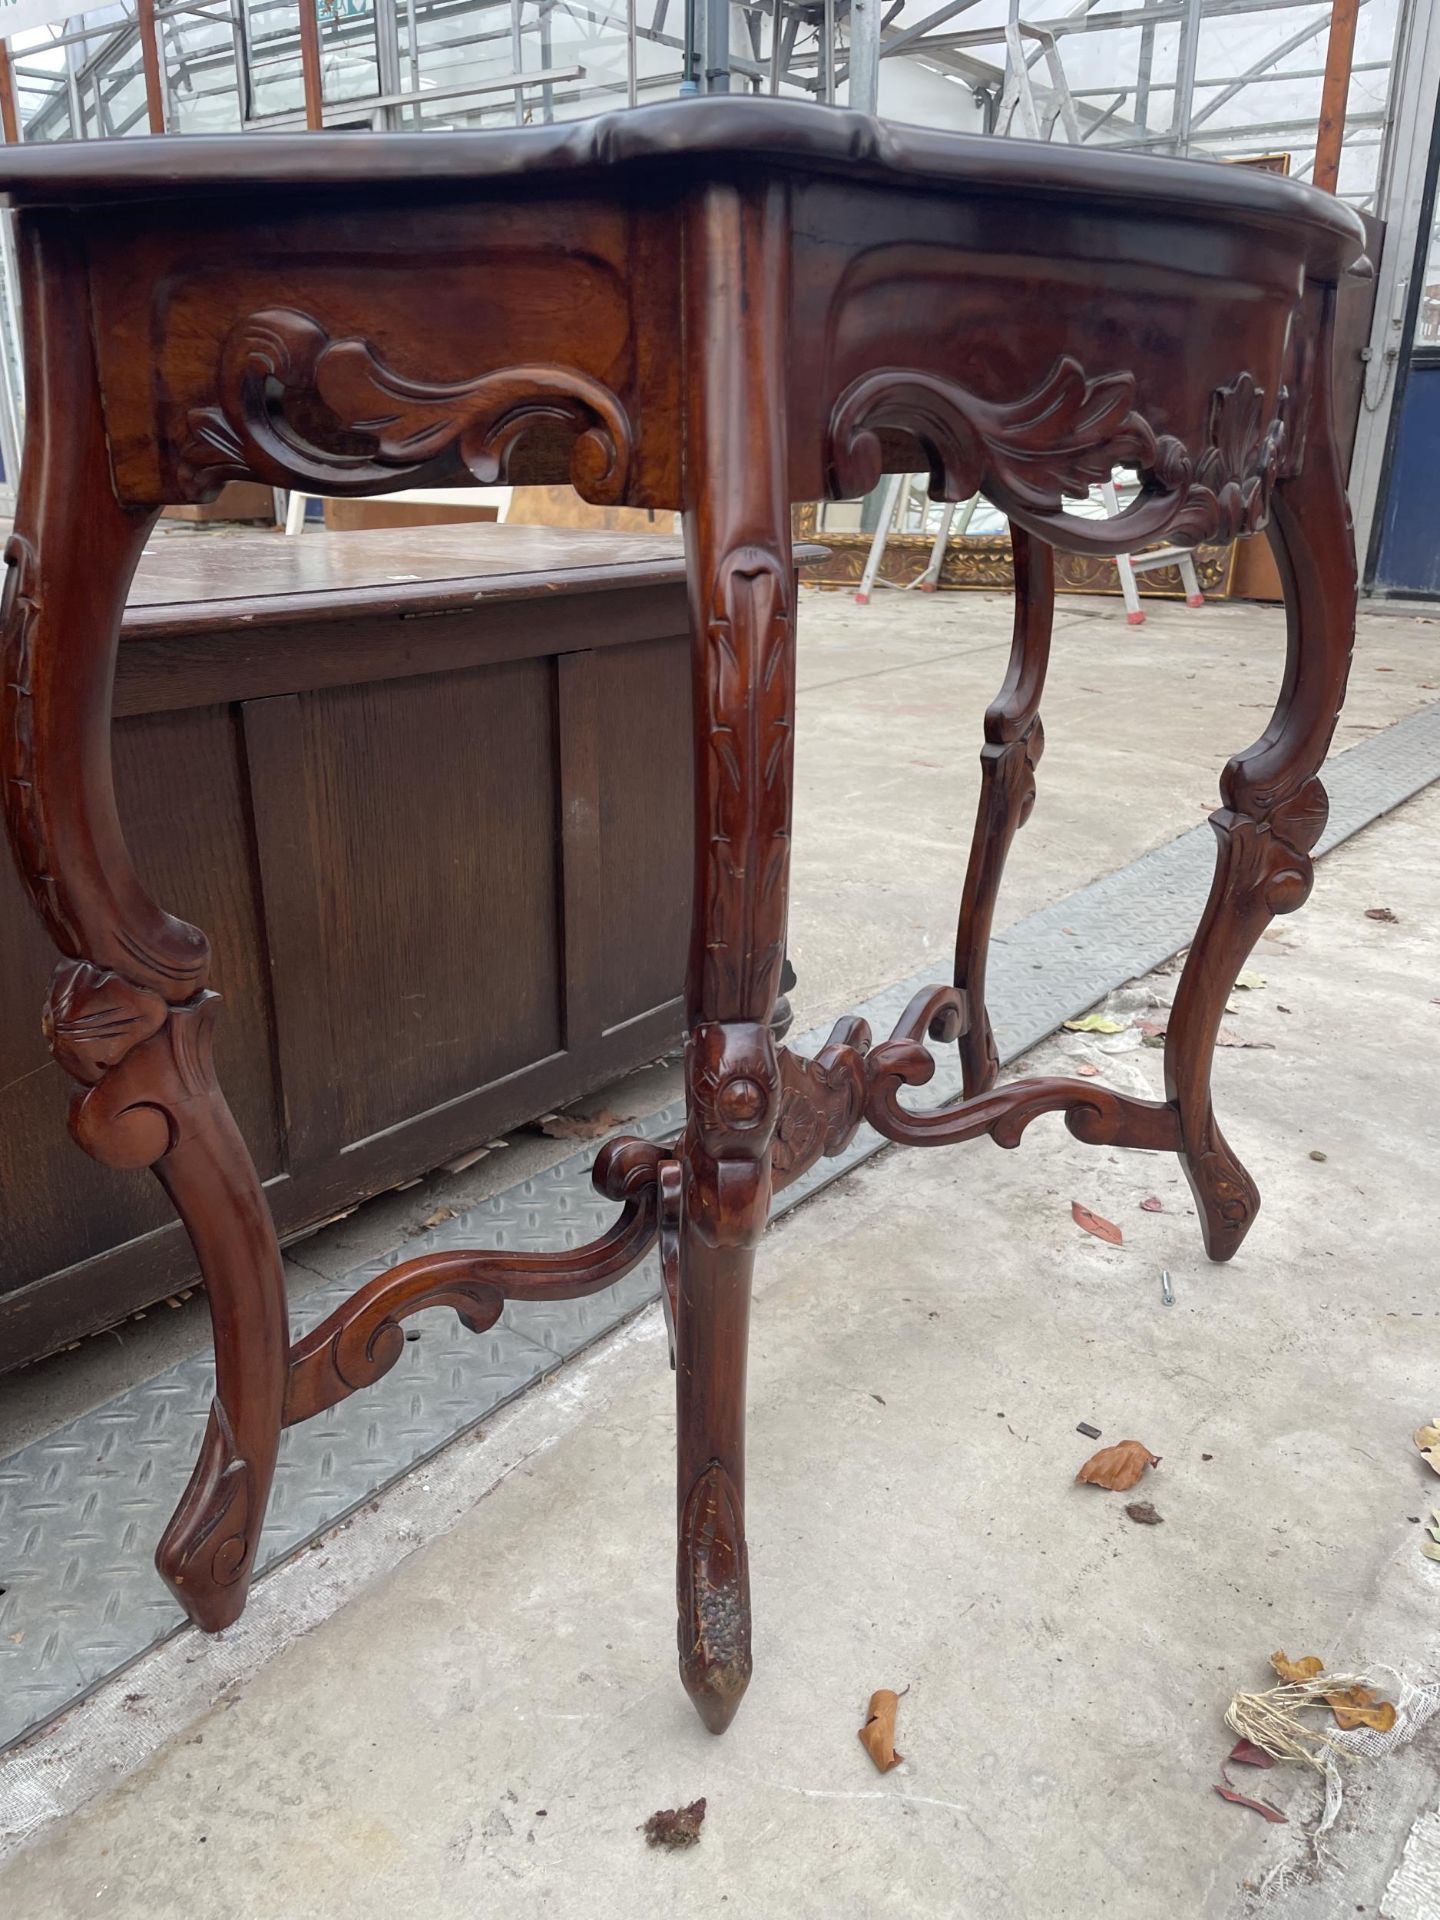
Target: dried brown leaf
1097	1224
438	1217
1117	1468
1427	1439
1143	1514
1272	1814
1294	1672
583	1126
877	1736
1245	1753
675	1827
1152	1205
1382	913
1087	1069
1359	1707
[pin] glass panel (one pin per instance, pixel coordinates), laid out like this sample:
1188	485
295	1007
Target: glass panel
1427	325
272	43
349	53
197	59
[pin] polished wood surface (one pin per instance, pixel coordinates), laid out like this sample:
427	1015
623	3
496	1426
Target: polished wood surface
722	307
486	565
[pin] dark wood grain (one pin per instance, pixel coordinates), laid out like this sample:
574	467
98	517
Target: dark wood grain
645	829
724	307
207	779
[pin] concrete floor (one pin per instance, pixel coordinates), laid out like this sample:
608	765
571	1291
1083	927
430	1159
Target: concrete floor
466	1701
1138	724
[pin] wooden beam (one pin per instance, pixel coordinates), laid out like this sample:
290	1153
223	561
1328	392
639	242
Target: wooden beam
1339	55
150	59
310	65
9	113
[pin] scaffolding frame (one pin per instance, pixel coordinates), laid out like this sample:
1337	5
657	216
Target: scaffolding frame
831	51
993	65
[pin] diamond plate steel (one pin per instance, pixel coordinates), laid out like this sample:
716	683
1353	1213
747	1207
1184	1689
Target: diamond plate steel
81	1510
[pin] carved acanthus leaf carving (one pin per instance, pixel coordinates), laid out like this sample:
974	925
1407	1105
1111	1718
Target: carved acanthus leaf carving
19	612
93	1018
822	1101
713	1625
1228	491
1058	441
750	698
143	1064
297	408
1071	432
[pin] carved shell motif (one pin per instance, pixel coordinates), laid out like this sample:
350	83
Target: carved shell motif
93	1018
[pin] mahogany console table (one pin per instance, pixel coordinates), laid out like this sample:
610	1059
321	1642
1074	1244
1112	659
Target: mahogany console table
727	307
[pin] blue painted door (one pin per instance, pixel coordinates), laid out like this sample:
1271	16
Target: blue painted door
1409	560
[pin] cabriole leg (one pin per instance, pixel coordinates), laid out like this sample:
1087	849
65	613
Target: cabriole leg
1014	742
742	616
1274	805
128	1016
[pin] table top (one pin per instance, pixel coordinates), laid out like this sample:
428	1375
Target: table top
190	582
714	135
187	581
229	566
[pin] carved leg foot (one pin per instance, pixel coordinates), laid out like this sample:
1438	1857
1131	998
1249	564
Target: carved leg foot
1014	741
1274	806
733	1094
128	1014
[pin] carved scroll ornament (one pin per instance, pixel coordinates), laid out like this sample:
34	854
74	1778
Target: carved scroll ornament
825	1099
1055	443
297	408
363	1338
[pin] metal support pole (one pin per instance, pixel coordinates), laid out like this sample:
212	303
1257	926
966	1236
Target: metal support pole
413	55
72	95
12	363
1143	73
717	46
387	59
1339	53
310	65
1186	58
517	57
865	55
9	116
150	60
690	55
